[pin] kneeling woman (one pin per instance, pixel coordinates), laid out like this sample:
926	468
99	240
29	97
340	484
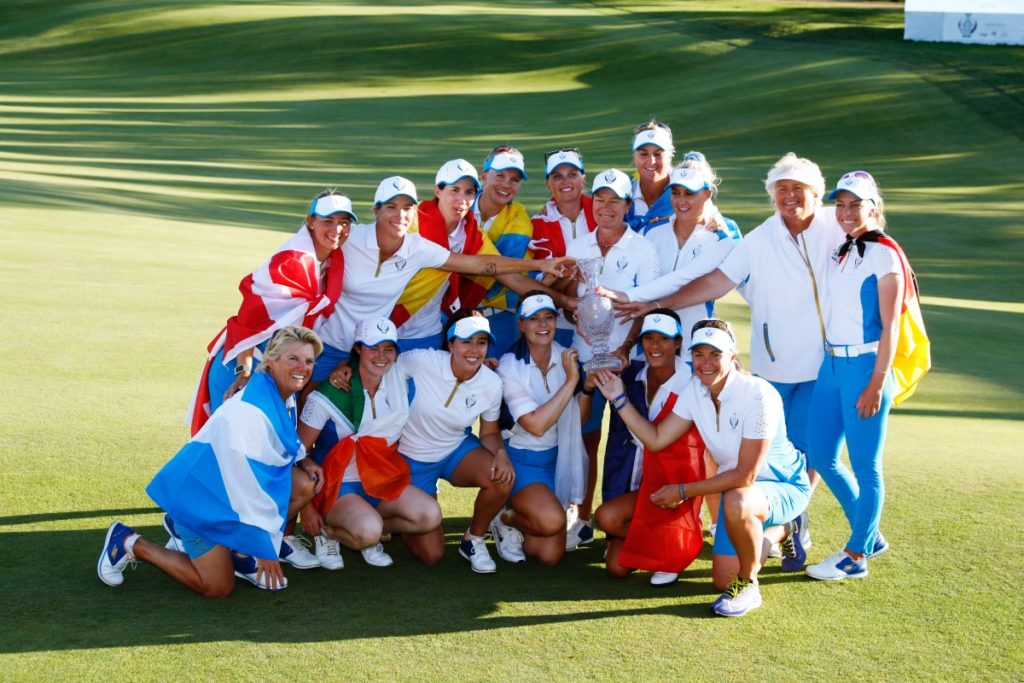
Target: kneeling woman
663	544
540	379
228	488
451	389
366	489
761	476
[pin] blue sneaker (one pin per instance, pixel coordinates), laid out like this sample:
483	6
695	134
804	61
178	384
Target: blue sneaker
174	540
246	568
881	545
794	554
580	533
741	596
115	557
838	566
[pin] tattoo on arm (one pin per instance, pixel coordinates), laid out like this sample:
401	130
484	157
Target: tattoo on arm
490	268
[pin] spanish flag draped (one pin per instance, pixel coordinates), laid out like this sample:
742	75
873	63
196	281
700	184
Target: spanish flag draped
463	291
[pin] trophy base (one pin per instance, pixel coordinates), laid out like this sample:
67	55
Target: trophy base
603	361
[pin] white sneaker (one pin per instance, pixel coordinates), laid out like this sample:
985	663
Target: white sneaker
507	540
293	551
572	513
664	578
328	553
581	533
837	567
475	550
774	550
376	557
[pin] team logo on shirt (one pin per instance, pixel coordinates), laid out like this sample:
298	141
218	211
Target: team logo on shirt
387	402
400	263
622	263
470	401
734	421
696	251
857	261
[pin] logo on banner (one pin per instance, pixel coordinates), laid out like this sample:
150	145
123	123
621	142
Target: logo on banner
967	25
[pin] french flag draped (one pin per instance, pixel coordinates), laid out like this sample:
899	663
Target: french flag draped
284	291
231	483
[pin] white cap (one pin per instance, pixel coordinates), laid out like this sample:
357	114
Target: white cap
332	204
690	178
662	324
455	170
858	183
653	136
792	167
563	157
616	181
506	161
376	331
467	327
534	304
394	186
714	337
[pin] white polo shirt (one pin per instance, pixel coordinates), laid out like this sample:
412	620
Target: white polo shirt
318	411
749	408
702	252
852	315
370	288
631	261
426	322
442	408
524	397
770	269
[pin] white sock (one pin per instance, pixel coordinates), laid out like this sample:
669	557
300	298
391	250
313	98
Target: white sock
129	545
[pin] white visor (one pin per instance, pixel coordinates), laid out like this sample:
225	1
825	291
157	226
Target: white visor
455	170
616	181
332	204
506	161
713	337
376	331
655	136
395	186
468	327
532	305
662	324
565	157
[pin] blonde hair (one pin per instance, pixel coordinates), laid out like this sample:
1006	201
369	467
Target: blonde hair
792	167
284	338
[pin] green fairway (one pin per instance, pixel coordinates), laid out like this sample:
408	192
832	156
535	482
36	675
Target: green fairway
153	152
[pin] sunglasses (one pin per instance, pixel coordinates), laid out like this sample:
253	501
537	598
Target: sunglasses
649	125
864	175
715	323
574	150
501	149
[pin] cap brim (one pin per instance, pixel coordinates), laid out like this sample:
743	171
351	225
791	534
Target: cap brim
397	194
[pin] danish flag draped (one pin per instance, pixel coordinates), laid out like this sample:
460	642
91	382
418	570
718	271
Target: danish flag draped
285	291
548	239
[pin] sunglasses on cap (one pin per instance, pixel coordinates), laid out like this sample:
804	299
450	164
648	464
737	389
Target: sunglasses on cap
501	149
715	323
648	125
574	150
864	175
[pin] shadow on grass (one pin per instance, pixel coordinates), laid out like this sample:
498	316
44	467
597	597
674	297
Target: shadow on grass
61	604
81	514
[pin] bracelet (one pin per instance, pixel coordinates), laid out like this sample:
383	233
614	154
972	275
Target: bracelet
622	395
588	393
682	493
619	402
657	303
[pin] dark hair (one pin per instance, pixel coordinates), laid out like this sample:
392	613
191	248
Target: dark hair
454	318
671	314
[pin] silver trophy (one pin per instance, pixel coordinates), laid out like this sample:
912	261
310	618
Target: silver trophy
595	317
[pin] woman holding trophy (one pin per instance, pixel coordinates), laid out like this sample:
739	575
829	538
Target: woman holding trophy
614	257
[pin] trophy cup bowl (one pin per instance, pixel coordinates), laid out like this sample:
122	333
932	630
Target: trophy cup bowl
595	317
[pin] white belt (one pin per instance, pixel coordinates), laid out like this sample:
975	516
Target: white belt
851	350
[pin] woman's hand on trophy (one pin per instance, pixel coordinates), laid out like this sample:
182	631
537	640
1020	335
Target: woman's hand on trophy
633	310
615	296
608	383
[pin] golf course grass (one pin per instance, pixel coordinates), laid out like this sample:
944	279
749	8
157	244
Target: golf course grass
153	152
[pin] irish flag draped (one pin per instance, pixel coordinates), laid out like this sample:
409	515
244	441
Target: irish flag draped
463	292
231	483
284	291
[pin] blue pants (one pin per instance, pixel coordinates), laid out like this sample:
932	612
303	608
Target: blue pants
834	416
796	405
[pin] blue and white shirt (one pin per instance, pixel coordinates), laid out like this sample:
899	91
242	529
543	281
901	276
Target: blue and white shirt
852	314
